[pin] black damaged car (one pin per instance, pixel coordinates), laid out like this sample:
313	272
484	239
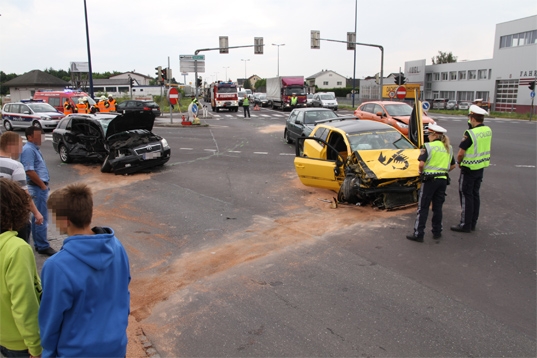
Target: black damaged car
123	143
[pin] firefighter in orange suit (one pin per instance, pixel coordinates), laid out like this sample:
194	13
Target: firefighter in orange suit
112	103
103	105
81	107
67	107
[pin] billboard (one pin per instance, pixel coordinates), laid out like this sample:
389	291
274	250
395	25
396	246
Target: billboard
415	72
79	67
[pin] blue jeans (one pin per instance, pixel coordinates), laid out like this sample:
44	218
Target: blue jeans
39	232
9	353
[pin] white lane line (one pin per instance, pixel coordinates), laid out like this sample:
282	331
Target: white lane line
525	166
260	152
288	154
234	151
265	115
186	148
210	150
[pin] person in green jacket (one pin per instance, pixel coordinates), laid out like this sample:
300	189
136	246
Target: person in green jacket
20	286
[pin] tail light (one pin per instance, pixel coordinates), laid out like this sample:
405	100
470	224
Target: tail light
147	109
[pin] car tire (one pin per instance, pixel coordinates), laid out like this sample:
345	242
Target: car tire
106	167
64	155
37	125
8	126
345	191
286	137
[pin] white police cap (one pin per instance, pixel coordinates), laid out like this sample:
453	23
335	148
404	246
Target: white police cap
477	110
436	128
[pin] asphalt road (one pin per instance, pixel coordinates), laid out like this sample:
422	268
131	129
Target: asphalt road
232	256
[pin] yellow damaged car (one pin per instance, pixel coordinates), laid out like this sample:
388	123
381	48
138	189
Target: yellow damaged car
365	162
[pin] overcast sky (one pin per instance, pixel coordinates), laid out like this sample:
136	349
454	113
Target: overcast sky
140	35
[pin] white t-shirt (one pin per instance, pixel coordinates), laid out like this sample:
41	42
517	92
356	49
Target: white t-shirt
13	170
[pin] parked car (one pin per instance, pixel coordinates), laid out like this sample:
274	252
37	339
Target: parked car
324	100
364	162
451	104
440	103
301	122
261	99
463	105
309	99
29	113
395	114
123	143
139	106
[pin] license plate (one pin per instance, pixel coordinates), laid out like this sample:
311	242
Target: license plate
151	155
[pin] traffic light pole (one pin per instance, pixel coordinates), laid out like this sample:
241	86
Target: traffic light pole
370	45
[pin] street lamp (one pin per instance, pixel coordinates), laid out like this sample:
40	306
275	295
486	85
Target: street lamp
278	56
225	68
245	67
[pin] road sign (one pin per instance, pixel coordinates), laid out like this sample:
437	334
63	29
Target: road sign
391	94
188	63
532	94
199	57
425	105
401	92
173	96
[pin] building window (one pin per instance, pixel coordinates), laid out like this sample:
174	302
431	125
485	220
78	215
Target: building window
462	75
472	75
444	76
453	75
465	96
428	77
339	83
436	76
520	39
484	95
447	94
482	74
428	86
123	89
325	83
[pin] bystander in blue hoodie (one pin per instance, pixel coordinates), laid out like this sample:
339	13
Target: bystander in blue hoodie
85	303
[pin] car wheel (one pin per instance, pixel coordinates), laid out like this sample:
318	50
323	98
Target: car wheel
345	191
106	167
8	126
286	137
37	125
64	154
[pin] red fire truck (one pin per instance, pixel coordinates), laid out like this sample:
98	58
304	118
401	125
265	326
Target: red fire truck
224	95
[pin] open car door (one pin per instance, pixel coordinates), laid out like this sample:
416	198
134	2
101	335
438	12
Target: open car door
415	125
312	166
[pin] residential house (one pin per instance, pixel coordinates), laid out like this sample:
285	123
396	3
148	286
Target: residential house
24	86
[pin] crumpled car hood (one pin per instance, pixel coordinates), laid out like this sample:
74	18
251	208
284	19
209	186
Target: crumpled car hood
389	163
130	121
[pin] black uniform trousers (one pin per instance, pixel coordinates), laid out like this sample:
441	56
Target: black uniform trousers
431	191
469	184
246	109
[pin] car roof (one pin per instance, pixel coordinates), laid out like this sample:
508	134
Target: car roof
355	126
312	109
384	102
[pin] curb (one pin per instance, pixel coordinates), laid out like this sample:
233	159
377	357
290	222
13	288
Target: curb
147	345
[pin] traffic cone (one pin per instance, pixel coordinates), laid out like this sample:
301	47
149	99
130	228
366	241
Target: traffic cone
256	107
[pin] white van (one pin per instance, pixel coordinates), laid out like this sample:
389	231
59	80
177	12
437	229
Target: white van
324	100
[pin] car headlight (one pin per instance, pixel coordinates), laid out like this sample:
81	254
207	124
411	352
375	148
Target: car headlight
402	125
164	143
44	118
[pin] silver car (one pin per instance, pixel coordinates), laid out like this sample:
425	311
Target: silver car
25	114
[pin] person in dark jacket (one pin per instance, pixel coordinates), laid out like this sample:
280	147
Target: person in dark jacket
246	105
86	301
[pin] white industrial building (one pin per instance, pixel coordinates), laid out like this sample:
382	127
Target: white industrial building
502	80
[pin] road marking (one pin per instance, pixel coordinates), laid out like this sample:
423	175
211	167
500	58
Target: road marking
293	154
210	150
525	166
186	148
260	152
234	151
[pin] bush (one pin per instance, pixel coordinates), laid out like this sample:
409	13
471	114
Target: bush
339	92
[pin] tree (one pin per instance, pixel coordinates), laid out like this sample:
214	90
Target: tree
247	84
260	83
4	77
444	57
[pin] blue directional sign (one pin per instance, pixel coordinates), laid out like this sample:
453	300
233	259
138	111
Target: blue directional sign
425	105
532	94
194	108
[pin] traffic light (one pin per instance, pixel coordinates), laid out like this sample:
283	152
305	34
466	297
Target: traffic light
164	74
198	82
399	79
224	44
396	79
532	86
131	81
258	45
315	39
351	40
159	73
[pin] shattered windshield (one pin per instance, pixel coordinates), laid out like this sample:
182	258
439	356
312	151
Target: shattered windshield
382	139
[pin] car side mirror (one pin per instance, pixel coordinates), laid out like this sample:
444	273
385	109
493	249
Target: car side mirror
380	114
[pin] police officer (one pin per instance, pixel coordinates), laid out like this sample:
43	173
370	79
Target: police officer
436	160
246	105
67	107
473	157
294	100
